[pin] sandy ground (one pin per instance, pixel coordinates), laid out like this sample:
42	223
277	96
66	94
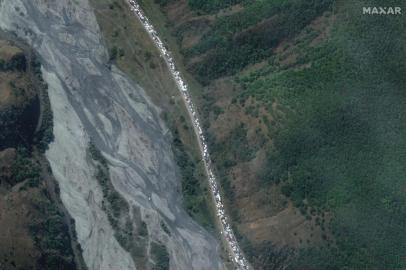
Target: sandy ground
91	100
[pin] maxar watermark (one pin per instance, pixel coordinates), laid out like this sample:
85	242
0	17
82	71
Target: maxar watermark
382	10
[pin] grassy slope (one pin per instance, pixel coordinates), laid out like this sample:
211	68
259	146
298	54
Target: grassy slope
338	133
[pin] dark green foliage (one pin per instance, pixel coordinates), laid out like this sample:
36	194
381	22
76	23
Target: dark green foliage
115	4
114	202
143	229
133	238
17	124
338	130
340	145
17	63
121	52
211	5
217	111
266	255
227	154
163	2
113	53
97	155
25	169
8	126
204	6
36	67
165	228
116	53
235	149
160	256
52	238
48	229
45	134
235	41
194	194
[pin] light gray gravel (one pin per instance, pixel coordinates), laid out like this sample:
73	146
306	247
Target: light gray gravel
89	100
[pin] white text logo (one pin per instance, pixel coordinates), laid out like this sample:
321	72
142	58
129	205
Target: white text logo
382	10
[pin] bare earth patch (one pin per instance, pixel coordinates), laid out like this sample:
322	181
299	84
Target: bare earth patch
287	228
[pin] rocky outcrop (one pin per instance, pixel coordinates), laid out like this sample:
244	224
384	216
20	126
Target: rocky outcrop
92	101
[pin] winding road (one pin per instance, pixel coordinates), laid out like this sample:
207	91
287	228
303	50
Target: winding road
226	231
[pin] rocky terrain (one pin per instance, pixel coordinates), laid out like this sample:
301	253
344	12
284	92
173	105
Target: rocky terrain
96	107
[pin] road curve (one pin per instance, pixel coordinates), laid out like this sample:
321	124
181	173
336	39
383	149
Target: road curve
227	233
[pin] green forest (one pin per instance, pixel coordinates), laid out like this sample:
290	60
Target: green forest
235	41
341	146
338	129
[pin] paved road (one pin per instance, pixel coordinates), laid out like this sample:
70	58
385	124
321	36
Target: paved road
236	253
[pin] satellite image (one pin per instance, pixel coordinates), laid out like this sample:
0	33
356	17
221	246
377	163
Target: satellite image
202	135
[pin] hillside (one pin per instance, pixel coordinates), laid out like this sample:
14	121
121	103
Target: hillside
303	103
104	162
35	231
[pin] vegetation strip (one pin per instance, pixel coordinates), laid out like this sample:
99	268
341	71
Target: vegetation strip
130	232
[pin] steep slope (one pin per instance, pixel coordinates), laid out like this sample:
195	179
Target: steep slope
303	105
93	101
224	227
36	232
